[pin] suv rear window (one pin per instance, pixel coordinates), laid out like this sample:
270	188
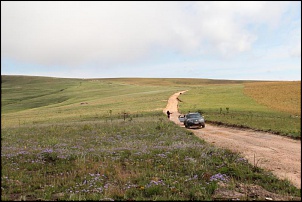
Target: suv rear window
193	116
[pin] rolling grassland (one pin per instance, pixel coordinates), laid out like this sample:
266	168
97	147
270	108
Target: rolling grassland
47	100
282	96
239	105
107	139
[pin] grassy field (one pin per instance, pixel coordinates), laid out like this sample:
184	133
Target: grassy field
107	139
240	105
284	96
46	100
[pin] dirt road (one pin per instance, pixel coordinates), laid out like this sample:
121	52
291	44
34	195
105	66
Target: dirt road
280	155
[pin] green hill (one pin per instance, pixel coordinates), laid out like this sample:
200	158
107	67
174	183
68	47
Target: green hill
69	139
31	100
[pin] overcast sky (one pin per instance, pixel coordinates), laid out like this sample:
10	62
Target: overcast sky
207	39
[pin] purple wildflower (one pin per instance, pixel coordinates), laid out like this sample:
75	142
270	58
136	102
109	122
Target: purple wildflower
219	177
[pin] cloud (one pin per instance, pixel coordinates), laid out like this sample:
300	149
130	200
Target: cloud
295	42
77	33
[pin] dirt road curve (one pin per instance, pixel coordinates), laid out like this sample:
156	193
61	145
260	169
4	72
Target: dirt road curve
278	154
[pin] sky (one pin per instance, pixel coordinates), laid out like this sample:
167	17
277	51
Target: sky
239	40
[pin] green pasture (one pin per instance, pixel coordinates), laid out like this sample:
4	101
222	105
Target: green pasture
227	104
46	100
144	158
108	139
32	100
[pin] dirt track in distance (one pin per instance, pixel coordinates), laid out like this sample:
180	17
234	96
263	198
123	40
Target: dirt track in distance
280	155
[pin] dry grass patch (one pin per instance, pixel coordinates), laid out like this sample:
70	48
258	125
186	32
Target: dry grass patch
283	96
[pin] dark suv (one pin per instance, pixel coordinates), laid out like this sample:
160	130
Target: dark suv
194	119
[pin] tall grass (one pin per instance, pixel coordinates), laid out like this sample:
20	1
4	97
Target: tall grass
146	158
107	139
282	96
228	104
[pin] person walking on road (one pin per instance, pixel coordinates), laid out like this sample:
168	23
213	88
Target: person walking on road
168	113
